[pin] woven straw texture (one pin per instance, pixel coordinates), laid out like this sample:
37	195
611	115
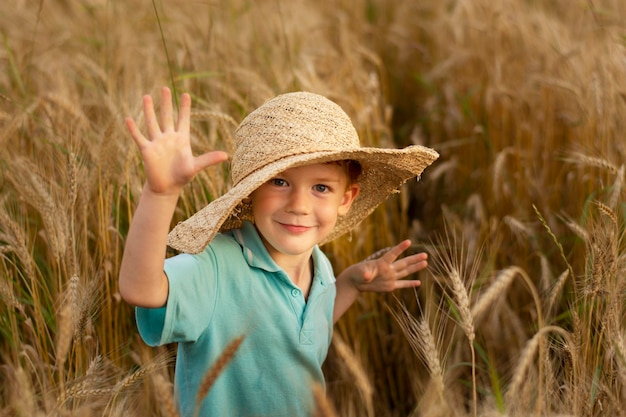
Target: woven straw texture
291	130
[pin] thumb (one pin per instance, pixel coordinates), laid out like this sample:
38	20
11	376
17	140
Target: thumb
210	158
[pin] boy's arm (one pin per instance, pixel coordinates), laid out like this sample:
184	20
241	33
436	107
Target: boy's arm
169	165
383	274
142	281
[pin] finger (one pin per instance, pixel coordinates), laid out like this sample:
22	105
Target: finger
149	115
396	251
135	133
410	264
414	267
184	114
407	284
210	158
167	118
413	259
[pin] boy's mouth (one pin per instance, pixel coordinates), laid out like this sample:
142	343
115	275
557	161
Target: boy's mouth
295	228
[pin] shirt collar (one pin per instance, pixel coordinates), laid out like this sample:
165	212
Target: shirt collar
254	250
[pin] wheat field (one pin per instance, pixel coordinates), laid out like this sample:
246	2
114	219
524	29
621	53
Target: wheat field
522	311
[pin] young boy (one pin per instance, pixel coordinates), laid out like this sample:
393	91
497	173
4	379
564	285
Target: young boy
251	264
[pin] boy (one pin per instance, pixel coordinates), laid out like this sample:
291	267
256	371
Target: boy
251	264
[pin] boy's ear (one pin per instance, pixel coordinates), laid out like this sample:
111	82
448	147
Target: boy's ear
348	198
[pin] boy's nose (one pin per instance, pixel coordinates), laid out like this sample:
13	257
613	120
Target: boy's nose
299	202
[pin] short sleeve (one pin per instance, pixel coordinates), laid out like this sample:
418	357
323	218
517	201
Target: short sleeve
193	287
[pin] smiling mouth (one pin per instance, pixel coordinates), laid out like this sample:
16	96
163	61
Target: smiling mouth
294	228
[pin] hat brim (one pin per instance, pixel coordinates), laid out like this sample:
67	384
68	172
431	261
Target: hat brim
383	172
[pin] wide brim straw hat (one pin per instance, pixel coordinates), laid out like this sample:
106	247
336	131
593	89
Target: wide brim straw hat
292	130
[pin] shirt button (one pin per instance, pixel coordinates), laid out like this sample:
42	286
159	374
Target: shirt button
295	292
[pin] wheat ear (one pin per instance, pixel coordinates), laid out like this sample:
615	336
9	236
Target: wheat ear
467	321
556	290
495	290
165	396
423	344
218	367
526	358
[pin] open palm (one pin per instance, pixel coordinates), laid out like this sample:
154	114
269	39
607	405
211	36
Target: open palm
166	152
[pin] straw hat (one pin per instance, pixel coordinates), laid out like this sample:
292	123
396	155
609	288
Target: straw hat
291	130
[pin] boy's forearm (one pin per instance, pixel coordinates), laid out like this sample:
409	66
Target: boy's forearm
142	281
347	293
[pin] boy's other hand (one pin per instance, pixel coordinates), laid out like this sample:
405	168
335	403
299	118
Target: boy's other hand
386	273
166	152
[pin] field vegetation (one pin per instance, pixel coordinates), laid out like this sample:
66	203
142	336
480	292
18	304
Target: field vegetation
522	312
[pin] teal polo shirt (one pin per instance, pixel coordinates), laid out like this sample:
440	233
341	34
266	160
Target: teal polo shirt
235	288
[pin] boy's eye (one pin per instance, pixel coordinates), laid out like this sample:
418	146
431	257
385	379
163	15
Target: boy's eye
321	188
278	182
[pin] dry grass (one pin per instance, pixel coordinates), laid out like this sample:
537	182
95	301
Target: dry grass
526	102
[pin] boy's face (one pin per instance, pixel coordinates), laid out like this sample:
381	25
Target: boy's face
298	208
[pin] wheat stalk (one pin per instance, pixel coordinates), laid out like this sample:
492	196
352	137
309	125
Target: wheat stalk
453	264
24	401
136	376
218	367
39	193
323	407
165	396
467	320
86	386
556	291
428	347
554	238
518	227
586	160
608	212
500	285
423	343
463	303
618	186
580	231
84	389
526	358
501	189
65	331
7	295
356	370
17	242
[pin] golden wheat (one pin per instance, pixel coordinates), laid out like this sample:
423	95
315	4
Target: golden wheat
15	239
357	372
39	192
495	292
165	395
555	293
65	332
524	100
323	407
525	361
217	368
608	212
24	400
7	293
618	188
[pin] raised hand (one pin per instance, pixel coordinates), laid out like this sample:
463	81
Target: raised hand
383	274
166	152
386	273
